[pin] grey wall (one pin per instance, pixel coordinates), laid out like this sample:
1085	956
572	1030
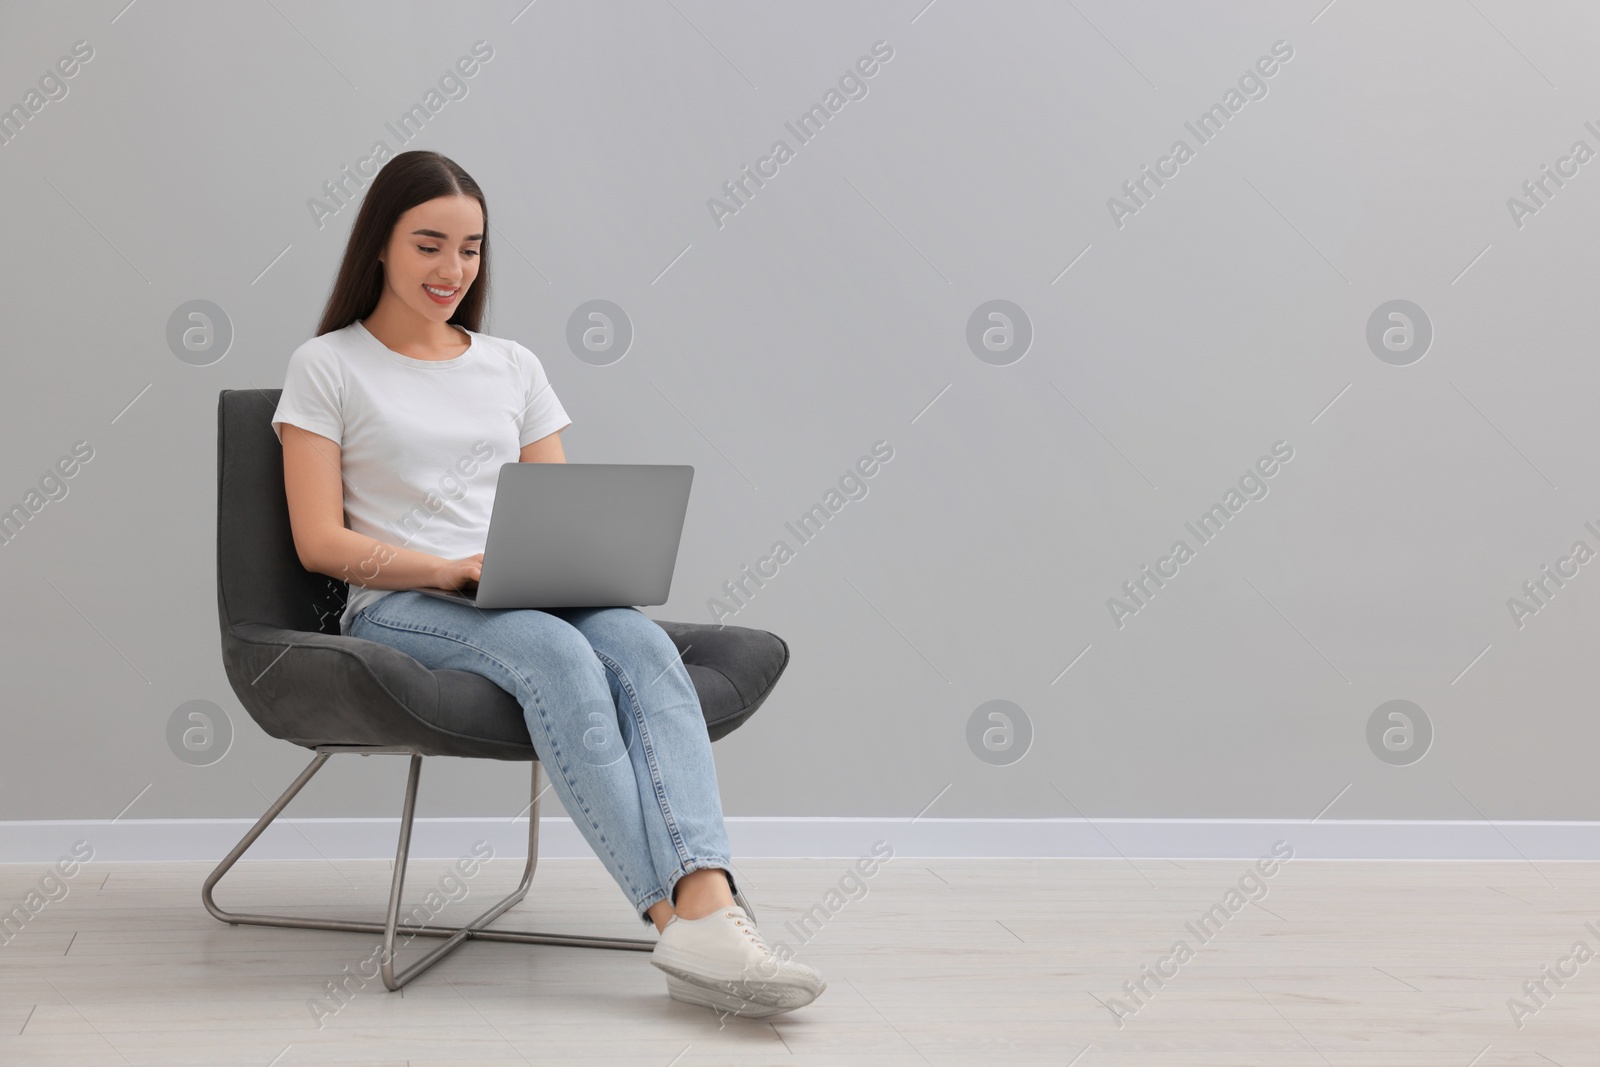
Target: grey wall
1228	313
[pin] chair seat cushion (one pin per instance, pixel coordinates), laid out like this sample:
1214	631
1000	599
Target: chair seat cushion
330	689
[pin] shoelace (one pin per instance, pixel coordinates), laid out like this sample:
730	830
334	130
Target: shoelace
750	931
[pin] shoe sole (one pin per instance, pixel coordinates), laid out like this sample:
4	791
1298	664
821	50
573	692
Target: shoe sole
749	999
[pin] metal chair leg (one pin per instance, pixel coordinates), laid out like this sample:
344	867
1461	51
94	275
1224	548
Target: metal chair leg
454	935
738	898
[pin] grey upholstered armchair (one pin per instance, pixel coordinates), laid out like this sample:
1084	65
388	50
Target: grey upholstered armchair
304	682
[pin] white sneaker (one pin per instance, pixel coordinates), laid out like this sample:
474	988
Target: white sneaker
721	961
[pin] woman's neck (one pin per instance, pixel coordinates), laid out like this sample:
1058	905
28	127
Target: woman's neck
419	339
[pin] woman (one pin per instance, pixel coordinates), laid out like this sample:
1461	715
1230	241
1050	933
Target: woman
397	417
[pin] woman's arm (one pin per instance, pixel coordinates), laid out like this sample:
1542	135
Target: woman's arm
546	449
324	544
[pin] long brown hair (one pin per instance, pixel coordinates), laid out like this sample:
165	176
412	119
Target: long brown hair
409	179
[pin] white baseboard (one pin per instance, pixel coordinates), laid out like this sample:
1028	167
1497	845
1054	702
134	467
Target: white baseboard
146	840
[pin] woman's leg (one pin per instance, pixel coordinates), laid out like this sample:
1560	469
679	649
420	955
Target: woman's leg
567	702
664	728
712	954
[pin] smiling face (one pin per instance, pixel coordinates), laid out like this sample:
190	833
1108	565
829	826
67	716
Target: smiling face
434	245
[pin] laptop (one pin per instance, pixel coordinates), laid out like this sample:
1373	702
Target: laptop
581	535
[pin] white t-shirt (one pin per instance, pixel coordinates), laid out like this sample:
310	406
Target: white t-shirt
421	441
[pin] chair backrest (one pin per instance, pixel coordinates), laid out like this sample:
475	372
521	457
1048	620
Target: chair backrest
259	576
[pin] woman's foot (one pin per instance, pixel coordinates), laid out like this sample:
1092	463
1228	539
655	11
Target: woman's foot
697	894
721	961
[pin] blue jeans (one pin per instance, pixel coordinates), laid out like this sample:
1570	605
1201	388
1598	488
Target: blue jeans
613	716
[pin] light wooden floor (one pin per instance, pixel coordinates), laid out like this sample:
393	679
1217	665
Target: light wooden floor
942	962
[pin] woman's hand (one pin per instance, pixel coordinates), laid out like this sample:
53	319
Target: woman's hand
459	575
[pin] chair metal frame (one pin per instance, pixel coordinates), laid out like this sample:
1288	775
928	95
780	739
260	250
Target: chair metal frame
454	936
